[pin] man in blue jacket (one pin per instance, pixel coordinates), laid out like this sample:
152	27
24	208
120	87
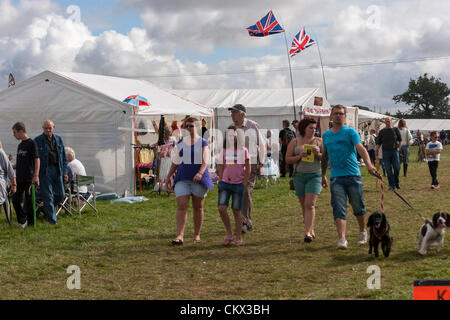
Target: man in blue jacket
53	169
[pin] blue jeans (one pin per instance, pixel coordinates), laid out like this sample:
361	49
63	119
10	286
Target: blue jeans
404	154
343	187
51	192
391	161
235	191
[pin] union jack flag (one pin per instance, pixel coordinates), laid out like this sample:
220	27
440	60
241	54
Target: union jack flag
300	42
265	27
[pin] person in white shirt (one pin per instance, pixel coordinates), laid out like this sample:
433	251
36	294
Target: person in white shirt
371	145
433	153
407	140
75	167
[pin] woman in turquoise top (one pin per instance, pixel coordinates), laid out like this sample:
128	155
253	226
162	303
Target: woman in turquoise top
307	174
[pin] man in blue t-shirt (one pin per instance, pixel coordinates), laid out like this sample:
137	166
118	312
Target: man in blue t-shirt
340	145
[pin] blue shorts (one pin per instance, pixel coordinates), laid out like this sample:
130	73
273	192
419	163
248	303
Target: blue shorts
236	191
343	187
307	183
189	187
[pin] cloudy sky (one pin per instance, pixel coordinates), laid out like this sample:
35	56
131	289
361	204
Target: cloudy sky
370	49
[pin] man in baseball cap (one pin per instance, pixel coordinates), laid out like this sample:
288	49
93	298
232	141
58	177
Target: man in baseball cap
238	107
257	152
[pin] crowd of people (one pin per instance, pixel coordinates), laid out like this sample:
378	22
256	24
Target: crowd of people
304	156
43	162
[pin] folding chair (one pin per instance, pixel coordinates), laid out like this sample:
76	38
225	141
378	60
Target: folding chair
66	204
84	199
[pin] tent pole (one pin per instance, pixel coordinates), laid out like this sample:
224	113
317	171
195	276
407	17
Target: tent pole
290	73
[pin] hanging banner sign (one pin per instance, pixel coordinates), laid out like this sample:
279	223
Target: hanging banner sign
316	111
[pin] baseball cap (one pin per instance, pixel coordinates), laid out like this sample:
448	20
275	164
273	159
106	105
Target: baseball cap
238	107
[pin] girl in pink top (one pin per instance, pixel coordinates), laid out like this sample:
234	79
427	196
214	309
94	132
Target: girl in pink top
233	169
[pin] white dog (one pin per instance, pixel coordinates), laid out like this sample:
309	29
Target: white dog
432	233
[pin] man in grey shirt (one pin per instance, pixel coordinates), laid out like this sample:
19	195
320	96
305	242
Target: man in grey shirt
6	172
255	143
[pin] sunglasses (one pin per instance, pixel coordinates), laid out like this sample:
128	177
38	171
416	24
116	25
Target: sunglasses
190	126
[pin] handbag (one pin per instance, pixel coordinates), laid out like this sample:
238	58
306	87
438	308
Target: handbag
291	184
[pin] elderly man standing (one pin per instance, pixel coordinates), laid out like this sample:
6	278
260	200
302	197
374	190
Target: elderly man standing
53	169
255	143
390	140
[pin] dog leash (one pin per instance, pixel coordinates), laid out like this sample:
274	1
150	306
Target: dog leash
409	205
382	190
398	195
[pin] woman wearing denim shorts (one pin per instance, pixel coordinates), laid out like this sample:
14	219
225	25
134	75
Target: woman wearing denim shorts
190	159
307	175
233	169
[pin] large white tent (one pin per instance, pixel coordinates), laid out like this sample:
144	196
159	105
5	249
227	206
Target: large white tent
268	107
428	124
89	114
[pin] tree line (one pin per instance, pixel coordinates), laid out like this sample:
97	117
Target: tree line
428	98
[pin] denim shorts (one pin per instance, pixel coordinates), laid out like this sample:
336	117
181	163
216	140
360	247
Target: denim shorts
189	187
236	191
343	187
307	183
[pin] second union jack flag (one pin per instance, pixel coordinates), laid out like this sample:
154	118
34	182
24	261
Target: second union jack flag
300	42
265	27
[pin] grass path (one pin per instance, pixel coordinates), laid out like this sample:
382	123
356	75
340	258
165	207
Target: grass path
125	252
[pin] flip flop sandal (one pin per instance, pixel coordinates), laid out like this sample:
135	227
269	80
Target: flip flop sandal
239	243
227	241
177	242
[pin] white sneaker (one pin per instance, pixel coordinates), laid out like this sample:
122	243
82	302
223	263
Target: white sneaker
342	244
362	237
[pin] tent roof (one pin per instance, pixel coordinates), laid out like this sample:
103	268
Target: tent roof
369	115
428	124
161	101
252	98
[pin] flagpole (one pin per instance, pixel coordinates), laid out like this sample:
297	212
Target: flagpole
290	73
323	73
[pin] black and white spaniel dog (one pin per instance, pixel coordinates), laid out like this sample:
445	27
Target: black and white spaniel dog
432	232
379	232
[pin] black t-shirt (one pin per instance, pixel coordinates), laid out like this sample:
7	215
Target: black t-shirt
26	153
52	152
389	138
286	135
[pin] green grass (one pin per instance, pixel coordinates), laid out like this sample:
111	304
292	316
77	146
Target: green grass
125	252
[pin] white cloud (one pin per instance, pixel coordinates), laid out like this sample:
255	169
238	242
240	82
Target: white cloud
208	37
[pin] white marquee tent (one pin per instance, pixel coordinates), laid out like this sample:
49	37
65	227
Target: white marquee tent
268	107
89	114
428	124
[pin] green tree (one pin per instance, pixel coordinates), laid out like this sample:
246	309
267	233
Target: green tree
428	98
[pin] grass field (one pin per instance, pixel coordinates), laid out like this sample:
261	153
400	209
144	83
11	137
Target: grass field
125	252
